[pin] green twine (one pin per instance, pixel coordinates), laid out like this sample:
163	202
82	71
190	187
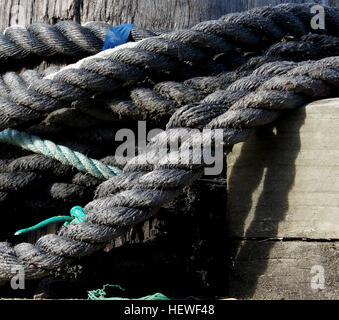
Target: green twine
100	294
64	155
59	152
77	216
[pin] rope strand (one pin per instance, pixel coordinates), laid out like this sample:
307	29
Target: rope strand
58	152
143	187
110	69
138	195
65	39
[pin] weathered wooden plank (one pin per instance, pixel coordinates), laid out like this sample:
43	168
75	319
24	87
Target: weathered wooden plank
284	181
158	14
28	11
283	184
284	270
241	5
153	14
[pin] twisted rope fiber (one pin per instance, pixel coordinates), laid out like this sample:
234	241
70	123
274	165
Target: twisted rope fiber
65	191
165	97
244	85
26	173
61	153
179	92
15	81
65	38
19	170
44	186
161	101
134	196
131	63
43	183
34	166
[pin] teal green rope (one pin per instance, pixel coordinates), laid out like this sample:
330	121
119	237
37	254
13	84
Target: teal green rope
100	294
77	216
58	152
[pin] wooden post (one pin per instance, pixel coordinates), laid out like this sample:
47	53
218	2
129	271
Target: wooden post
283	207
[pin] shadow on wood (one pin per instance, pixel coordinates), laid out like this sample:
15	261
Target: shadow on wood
260	167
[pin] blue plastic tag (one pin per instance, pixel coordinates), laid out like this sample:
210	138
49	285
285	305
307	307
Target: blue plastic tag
116	36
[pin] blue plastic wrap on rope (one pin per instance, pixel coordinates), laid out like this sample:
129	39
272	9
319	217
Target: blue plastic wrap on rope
117	36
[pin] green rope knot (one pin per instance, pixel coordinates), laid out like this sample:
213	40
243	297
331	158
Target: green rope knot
100	294
77	215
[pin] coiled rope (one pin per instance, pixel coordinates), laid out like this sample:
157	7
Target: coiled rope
131	63
143	187
134	196
161	101
64	39
167	97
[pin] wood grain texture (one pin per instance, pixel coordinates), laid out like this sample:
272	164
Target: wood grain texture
25	12
241	5
153	13
157	14
283	182
283	208
284	270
